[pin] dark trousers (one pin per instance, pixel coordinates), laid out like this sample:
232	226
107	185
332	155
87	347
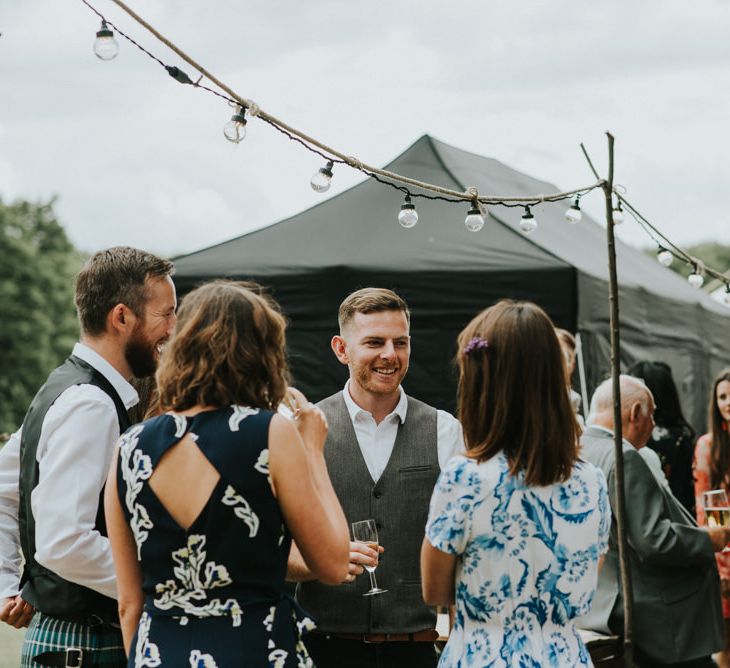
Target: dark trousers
642	661
331	652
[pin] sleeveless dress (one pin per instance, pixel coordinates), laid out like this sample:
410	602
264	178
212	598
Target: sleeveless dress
527	562
214	593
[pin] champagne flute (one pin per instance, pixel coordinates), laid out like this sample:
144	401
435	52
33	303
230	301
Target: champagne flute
717	509
366	532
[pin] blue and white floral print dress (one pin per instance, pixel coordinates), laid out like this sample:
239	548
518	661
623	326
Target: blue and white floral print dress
214	593
527	562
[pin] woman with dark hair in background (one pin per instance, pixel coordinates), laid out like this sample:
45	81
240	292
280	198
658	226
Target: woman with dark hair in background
673	438
518	524
203	500
712	471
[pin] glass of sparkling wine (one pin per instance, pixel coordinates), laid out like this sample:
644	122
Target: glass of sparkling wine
717	509
366	532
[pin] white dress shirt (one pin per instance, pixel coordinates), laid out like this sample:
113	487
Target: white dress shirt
655	465
74	453
650	457
376	441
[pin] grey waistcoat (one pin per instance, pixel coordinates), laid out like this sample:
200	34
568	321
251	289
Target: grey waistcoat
398	502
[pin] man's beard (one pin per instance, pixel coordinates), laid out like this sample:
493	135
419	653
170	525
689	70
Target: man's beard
140	354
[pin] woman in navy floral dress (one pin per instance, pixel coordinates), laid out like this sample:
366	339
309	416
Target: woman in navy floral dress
204	499
518	525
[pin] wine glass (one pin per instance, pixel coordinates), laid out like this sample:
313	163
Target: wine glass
366	532
717	509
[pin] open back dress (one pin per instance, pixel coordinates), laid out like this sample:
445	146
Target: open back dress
214	591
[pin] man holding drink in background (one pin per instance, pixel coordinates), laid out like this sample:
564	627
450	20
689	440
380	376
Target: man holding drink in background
384	452
676	590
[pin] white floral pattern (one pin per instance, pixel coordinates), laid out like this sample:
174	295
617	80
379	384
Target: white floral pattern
242	509
262	463
198	564
269	620
277	658
305	625
195	577
146	653
240	413
181	425
200	660
527	562
136	467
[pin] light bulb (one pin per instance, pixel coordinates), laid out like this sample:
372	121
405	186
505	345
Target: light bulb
235	130
407	216
574	215
618	214
528	223
105	46
695	279
664	256
474	220
322	179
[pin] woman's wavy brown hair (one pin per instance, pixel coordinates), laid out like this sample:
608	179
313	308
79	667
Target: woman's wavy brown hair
720	445
229	348
512	395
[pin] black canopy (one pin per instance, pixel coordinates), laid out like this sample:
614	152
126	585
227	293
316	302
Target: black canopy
447	274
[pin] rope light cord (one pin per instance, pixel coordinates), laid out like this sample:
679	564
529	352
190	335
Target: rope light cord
310	143
661	240
658	237
383	176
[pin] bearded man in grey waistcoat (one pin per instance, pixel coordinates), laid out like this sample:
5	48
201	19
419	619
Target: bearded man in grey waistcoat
384	452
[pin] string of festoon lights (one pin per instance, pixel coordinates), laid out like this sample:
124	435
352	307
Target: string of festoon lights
106	47
667	252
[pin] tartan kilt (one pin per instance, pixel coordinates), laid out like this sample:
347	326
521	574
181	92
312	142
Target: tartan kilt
47	633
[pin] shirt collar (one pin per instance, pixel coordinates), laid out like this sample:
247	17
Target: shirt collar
599	429
126	392
354	410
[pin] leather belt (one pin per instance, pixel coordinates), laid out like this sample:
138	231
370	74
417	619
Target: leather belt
73	657
429	635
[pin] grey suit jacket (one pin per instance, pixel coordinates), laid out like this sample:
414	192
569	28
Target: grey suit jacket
677	610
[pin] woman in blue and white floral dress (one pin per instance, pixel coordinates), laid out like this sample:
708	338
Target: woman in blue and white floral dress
518	525
204	500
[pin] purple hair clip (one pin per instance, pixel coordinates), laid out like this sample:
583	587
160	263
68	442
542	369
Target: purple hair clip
476	343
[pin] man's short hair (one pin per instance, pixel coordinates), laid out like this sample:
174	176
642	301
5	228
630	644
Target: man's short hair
115	276
370	300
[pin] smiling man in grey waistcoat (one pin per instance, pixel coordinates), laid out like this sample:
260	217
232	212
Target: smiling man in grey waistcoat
384	452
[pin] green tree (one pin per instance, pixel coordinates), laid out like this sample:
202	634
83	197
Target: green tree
37	319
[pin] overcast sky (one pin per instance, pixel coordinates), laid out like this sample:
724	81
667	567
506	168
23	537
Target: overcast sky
136	158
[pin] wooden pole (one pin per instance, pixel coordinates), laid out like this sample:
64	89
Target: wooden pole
617	432
620	499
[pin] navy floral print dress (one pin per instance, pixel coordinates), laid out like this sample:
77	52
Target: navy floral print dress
214	593
527	562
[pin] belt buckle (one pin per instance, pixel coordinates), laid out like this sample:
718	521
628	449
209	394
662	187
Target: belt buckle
74	657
